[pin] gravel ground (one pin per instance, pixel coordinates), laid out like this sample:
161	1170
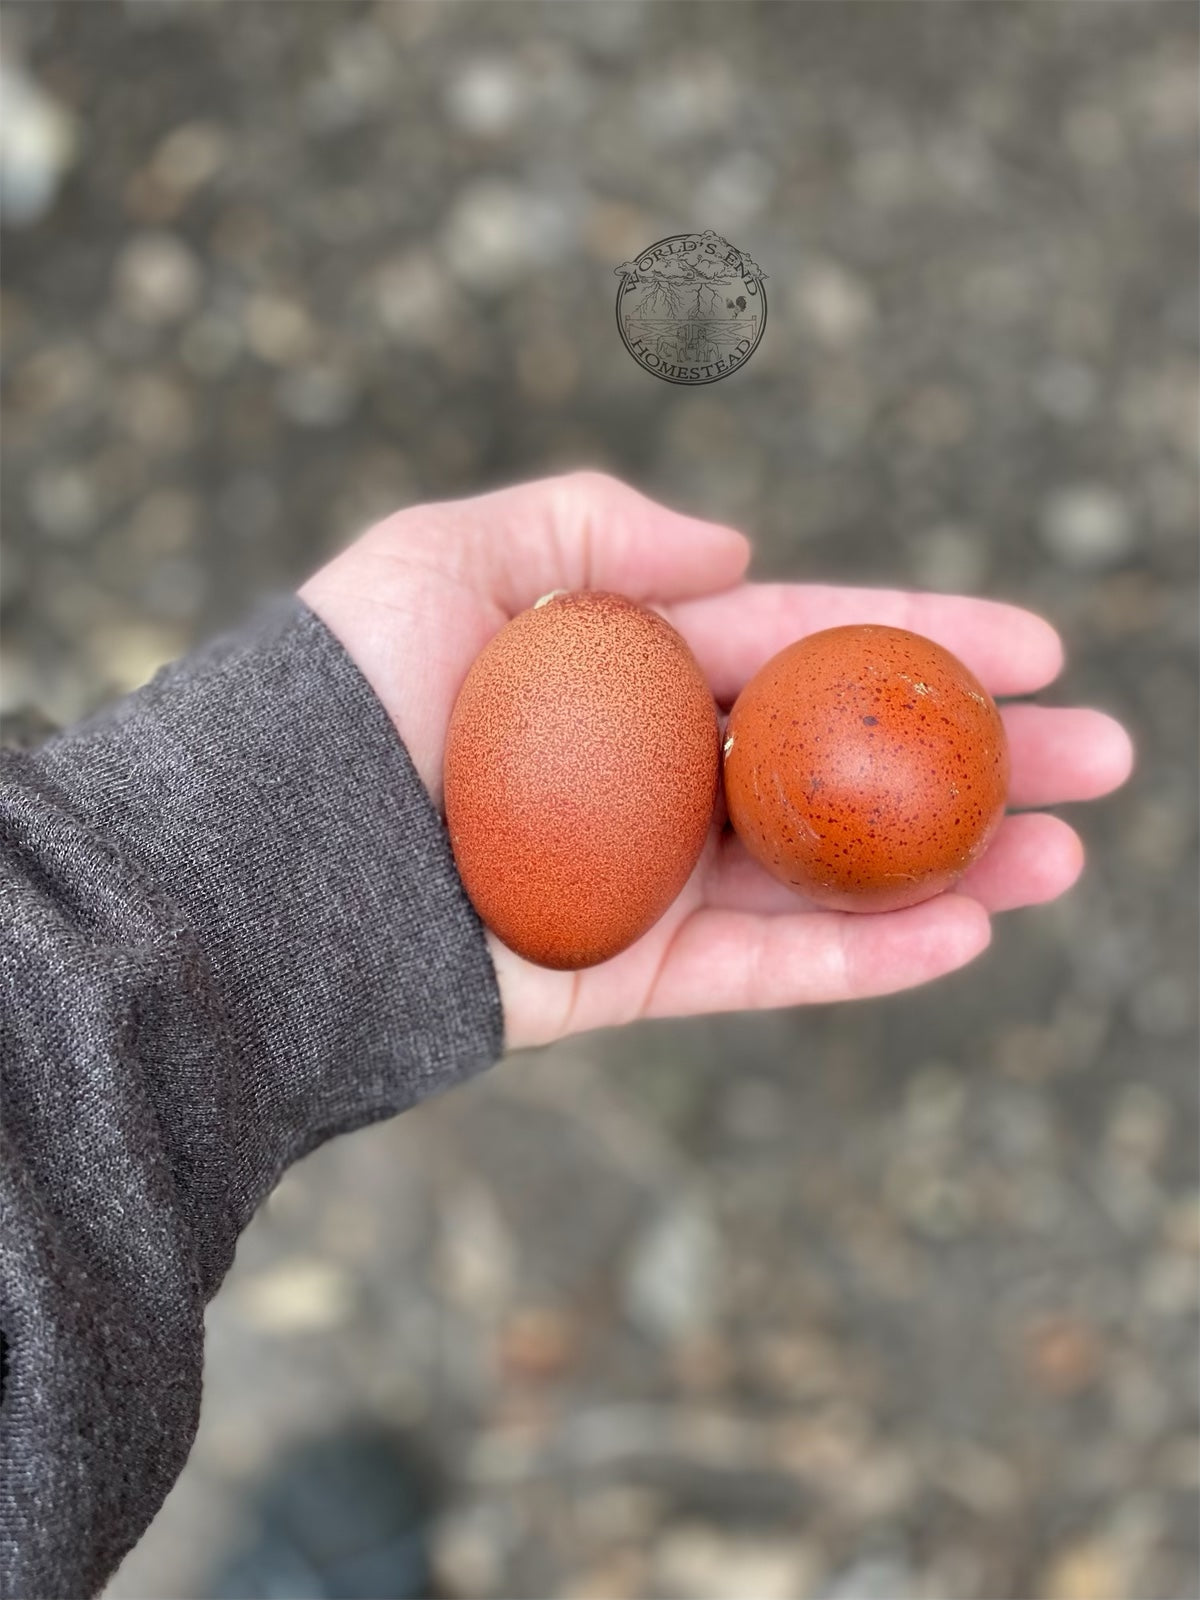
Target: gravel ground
885	1301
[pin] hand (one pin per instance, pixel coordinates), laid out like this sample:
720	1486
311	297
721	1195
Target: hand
416	598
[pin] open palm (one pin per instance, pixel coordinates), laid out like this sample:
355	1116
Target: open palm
418	596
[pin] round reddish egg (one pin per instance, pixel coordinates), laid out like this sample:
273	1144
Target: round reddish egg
866	767
582	766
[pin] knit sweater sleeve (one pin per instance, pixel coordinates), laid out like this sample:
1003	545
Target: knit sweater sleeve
231	929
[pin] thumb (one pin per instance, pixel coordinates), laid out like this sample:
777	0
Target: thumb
584	530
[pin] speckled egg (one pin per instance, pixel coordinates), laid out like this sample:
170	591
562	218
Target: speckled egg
866	767
582	766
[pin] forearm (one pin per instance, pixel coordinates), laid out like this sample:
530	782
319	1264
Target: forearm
232	930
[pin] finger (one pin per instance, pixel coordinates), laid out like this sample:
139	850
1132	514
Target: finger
1009	650
1033	858
1064	754
737	961
583	530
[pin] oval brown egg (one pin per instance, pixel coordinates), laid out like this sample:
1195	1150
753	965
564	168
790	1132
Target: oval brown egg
582	767
865	767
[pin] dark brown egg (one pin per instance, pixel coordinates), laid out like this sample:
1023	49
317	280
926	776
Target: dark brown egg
866	767
582	764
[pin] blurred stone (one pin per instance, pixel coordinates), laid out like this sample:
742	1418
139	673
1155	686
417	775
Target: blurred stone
190	155
301	1294
695	1562
487	96
937	416
1087	526
537	1343
1088	1570
38	146
165	522
248	504
1139	1125
1063	1354
278	330
671	1279
62	501
57	378
128	654
873	1578
1171	1286
468	1547
950	559
157	413
701	1363
316	397
210	345
1164	1006
497	231
979	1478
548	368
174	589
1181	1224
1066	390
619	1576
833	304
157	278
736	190
412	299
476	1256
695	94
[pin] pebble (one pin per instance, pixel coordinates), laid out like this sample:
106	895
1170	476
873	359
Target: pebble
735	191
316	397
163	523
1063	1354
1065	390
833	304
1087	526
62	501
696	1562
1164	1006
872	1578
127	654
468	1547
300	1294
1087	1570
157	278
486	97
210	345
537	1344
39	146
155	412
277	330
248	505
190	155
951	558
671	1280
477	1254
412	299
690	98
497	231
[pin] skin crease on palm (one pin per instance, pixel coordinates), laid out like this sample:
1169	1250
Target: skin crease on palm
416	598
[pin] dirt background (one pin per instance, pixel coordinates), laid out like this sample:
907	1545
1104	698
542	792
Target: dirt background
883	1301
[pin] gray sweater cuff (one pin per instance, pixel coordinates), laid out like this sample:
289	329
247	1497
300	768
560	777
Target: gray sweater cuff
260	790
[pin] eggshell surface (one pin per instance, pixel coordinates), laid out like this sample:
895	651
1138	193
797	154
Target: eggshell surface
866	767
581	769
